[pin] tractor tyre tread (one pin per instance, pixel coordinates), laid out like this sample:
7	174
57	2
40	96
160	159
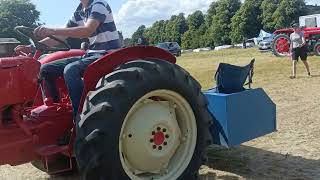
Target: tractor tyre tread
97	141
317	49
273	48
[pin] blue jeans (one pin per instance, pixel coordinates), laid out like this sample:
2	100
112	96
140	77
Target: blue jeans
72	70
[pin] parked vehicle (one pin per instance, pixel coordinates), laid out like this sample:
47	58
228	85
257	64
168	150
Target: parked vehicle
266	43
250	43
172	47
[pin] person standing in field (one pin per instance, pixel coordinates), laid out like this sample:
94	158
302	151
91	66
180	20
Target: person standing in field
298	48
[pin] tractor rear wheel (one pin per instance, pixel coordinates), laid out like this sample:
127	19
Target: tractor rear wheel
281	45
145	120
317	49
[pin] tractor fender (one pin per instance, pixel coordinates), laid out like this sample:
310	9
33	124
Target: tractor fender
112	60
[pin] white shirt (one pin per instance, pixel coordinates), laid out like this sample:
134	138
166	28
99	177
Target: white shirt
296	39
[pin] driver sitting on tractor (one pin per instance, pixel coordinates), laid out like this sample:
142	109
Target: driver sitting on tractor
92	19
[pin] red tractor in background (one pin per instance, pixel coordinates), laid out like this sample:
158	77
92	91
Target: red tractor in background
311	23
142	116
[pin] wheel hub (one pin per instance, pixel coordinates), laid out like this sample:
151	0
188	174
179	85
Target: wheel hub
153	136
282	46
158	137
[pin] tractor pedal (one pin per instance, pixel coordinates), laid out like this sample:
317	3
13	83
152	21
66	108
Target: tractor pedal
55	159
52	150
64	140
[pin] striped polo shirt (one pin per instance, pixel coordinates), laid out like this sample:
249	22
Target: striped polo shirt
106	37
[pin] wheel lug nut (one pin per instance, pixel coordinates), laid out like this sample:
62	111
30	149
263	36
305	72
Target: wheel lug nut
165	143
154	147
167	136
164	130
158	128
160	148
153	133
151	140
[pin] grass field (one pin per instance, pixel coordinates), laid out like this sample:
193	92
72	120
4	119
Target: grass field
291	153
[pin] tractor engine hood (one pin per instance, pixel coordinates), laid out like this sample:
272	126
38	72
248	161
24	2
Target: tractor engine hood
10	62
19	79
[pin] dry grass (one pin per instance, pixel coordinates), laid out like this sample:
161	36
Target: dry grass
291	153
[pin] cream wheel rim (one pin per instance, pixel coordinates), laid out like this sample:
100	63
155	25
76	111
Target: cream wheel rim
158	137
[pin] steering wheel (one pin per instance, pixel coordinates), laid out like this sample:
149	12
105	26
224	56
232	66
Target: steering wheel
27	32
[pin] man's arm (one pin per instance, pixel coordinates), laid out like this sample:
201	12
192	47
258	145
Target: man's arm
51	42
291	44
74	32
303	41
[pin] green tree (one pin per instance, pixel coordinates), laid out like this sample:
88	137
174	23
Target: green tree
268	7
197	28
163	34
288	12
187	39
210	13
127	42
170	33
154	33
175	28
200	35
195	20
180	27
221	22
138	34
246	23
207	38
312	9
16	13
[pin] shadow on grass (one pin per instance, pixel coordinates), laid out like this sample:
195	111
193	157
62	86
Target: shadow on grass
253	163
317	75
71	176
250	163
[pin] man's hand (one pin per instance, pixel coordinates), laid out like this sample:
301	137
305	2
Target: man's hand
23	49
43	32
301	45
74	32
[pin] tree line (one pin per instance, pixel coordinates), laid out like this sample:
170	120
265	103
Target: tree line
17	13
225	22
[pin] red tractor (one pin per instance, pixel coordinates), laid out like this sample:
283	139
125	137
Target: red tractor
281	42
142	116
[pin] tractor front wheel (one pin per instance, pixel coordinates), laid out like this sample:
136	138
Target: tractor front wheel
281	45
317	49
146	120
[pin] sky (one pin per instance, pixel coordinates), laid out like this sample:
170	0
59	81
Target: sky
128	14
